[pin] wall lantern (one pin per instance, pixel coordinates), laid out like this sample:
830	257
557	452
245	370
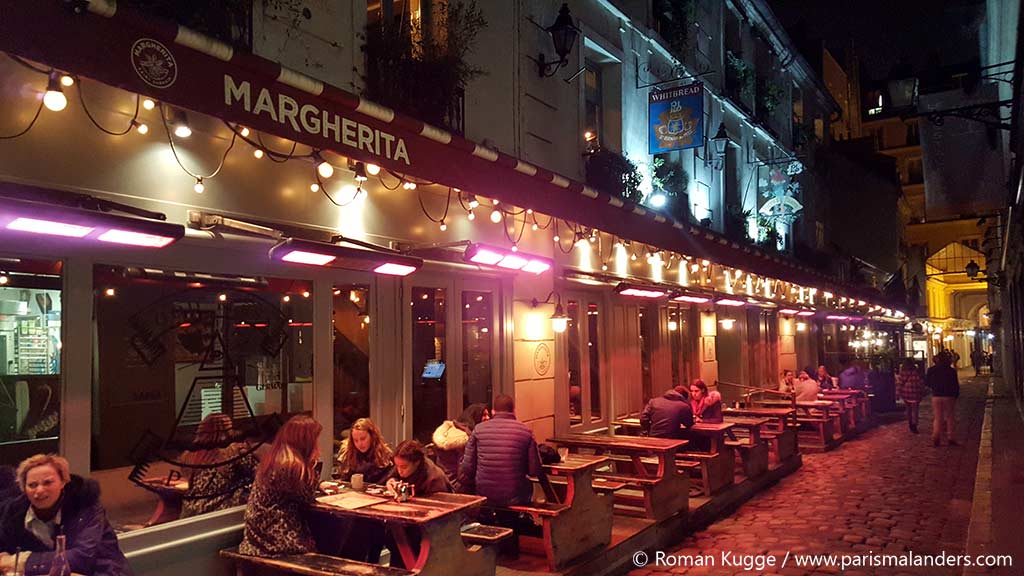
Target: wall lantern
972	269
720	142
563	36
559	320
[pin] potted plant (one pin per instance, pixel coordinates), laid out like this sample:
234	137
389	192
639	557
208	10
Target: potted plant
614	174
769	96
739	74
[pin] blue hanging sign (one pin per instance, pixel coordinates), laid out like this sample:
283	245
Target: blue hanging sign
676	118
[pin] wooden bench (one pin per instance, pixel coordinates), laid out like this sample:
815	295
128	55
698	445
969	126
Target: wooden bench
306	565
714	471
753	456
781	444
484	535
817	432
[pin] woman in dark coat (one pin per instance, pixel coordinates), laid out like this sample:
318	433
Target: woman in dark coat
53	502
364	452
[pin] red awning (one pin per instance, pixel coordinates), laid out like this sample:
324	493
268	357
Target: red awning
172	64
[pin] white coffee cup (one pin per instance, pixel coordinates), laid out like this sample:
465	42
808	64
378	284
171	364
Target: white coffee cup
357	482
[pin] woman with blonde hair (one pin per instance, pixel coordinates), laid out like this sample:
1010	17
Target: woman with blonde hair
221	471
364	452
285	484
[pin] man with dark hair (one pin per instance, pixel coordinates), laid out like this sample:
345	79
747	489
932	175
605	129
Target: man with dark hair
945	385
665	415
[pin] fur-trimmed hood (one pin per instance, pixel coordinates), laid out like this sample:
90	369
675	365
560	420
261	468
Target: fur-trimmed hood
450	435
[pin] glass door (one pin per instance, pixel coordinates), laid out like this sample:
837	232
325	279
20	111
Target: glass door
586	369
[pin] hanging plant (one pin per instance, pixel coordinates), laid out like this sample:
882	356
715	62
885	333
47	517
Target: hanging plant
769	96
739	74
614	174
424	73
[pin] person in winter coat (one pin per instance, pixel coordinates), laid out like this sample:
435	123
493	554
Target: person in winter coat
806	388
853	377
706	405
54	502
218	487
910	388
501	452
451	437
945	385
364	452
666	415
413	467
824	378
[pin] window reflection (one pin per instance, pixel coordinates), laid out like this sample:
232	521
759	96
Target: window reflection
351	322
575	380
593	321
477	319
429	354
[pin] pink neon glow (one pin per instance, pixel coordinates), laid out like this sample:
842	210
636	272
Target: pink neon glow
486	257
693	299
303	257
537	266
728	302
830	317
49	227
512	262
392	269
135	238
805	313
642	293
788	311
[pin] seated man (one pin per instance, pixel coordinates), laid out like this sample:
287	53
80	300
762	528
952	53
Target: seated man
806	388
666	415
499	456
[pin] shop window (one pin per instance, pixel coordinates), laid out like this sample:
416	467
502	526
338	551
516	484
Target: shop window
594	353
648	318
176	349
575	377
429	355
681	343
477	320
30	358
594	102
351	323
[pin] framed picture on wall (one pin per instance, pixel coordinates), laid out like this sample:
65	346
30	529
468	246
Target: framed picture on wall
709	349
787	344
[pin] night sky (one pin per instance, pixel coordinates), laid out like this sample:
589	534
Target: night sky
912	34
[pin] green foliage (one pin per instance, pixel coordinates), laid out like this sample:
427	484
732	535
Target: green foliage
739	74
769	95
614	174
424	73
767	235
675	18
736	226
670	178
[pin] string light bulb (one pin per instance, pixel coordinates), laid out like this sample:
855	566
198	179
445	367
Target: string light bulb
314	187
495	201
359	169
557	238
409	185
199	187
244	132
471	216
534	227
323	168
604	267
444	227
54	98
180	122
473	202
140	127
148	104
258	153
372	169
67	81
4	280
632	257
496	216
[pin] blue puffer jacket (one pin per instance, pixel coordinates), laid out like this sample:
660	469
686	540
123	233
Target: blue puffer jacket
499	455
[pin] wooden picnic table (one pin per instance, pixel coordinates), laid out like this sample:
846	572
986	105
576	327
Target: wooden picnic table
636	447
751	425
715	431
778	416
439	518
805	406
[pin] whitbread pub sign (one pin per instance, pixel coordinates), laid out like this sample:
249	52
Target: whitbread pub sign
676	118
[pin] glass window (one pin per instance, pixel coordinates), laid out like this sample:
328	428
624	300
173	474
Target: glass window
680	332
646	316
575	378
477	320
30	358
429	354
351	321
176	349
594	99
593	345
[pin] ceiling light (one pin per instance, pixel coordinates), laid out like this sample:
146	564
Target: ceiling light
179	119
372	169
364	257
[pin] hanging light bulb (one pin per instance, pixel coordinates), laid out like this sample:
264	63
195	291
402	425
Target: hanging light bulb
471	216
515	247
529	210
473	202
632	257
244	132
148	104
557	238
360	171
140	127
444	227
495	201
604	267
323	168
54	98
258	153
199	187
67	81
372	169
657	200
496	216
534	227
409	185
314	187
180	122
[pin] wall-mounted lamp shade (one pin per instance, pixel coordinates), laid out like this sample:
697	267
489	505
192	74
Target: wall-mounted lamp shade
311	253
640	291
559	320
730	302
502	258
28	217
720	140
563	33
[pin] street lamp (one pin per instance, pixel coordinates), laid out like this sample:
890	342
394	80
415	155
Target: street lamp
972	269
720	141
563	36
559	320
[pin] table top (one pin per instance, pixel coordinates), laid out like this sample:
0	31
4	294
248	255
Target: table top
770	412
627	443
745	422
799	403
416	510
847	392
179	486
712	427
575	463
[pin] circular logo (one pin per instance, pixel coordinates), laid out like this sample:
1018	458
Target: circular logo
154	63
542	359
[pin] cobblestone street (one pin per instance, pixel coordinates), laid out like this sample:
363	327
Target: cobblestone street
888	491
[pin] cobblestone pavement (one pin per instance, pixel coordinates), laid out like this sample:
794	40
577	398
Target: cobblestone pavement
887	491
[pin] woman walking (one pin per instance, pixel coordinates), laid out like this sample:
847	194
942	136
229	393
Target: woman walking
910	388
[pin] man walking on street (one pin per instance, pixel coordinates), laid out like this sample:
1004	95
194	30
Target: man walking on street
945	385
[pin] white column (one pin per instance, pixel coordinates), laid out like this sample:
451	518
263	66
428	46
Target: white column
323	368
77	342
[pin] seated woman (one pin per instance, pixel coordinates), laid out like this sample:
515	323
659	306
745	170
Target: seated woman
707	406
413	467
451	436
806	388
364	452
55	501
824	378
788	383
224	485
285	484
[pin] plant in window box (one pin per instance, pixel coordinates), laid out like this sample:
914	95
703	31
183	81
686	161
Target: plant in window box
769	95
736	220
614	174
669	180
739	75
768	236
424	73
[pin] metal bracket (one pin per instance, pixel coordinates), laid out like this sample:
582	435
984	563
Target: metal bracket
987	113
678	73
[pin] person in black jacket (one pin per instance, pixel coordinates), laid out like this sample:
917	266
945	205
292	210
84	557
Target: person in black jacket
666	415
54	502
945	385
